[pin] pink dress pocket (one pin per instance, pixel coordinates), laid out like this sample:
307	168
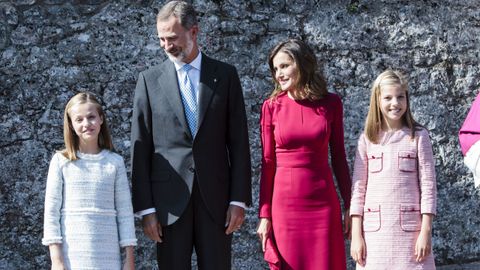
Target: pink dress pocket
410	217
372	220
375	162
407	161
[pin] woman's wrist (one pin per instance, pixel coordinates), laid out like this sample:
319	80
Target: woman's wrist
426	230
356	235
56	259
129	252
427	220
56	253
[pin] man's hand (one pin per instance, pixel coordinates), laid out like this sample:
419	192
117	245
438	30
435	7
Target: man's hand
152	228
235	218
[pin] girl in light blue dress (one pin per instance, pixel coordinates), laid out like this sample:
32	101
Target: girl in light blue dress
88	210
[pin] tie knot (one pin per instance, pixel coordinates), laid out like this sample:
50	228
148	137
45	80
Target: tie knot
187	67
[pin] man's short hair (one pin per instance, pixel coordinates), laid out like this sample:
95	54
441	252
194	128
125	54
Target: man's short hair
181	10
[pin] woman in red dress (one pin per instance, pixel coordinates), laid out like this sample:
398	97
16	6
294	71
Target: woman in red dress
300	217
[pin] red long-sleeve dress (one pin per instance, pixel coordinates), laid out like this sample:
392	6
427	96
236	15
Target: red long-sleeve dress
297	190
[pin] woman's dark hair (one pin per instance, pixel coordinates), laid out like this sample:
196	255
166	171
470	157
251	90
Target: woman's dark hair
311	83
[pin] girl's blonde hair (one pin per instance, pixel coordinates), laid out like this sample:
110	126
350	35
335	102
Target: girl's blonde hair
311	82
69	135
374	121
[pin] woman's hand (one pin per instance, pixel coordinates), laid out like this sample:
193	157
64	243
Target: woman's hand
263	230
129	259
56	256
423	245
128	265
58	265
358	250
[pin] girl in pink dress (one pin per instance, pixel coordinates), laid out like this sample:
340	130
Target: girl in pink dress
300	217
394	187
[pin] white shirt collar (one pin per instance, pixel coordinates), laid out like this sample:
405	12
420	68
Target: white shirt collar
196	63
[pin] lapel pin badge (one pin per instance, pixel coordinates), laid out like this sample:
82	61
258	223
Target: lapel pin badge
214	80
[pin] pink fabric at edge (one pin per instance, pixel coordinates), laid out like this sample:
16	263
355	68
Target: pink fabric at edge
470	131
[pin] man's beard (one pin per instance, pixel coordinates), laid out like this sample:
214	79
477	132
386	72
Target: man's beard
183	54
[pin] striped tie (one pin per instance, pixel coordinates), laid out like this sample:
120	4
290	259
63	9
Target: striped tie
189	100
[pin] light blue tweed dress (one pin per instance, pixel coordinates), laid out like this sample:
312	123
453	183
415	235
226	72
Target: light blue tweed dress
88	210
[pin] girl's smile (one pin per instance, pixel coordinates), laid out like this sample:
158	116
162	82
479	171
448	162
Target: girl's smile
86	122
393	105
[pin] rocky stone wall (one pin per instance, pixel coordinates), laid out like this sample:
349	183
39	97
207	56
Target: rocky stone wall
50	49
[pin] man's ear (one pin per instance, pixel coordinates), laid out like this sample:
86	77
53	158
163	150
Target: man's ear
194	30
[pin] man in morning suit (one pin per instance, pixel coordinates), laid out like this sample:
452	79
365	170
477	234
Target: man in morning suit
190	151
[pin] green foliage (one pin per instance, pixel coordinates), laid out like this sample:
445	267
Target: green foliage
352	8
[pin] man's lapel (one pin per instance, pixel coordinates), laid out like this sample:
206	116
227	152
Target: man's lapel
169	82
207	86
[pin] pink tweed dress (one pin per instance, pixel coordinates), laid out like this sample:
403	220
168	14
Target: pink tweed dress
393	184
